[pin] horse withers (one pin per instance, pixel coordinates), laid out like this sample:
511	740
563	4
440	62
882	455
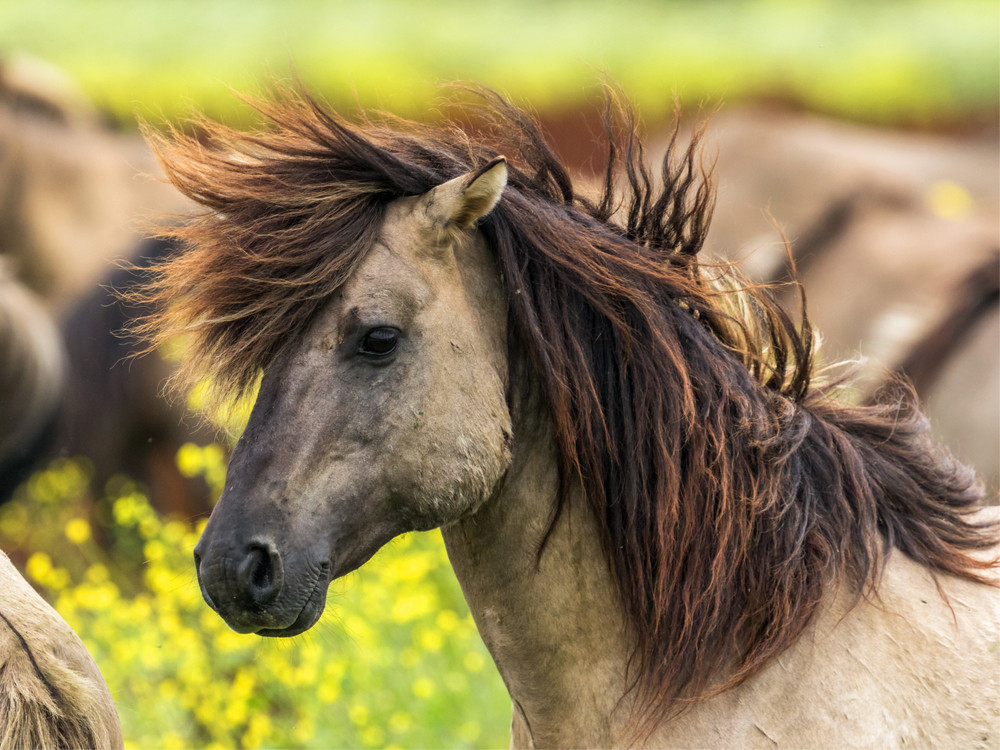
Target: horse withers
669	531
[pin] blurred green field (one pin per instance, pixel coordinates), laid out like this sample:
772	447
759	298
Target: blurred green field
916	62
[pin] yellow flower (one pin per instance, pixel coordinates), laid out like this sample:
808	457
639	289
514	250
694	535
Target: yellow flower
423	688
373	736
57	580
152	658
38	567
304	731
97	573
77	530
400	721
328	691
205	713
235	713
408	608
431	640
154	550
149	527
474	661
447	620
190	460
174	533
244	683
358	714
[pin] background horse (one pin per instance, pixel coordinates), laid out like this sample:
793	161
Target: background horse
73	192
113	413
894	236
52	694
32	373
73	195
666	530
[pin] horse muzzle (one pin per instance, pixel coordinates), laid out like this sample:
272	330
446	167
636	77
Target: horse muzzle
256	589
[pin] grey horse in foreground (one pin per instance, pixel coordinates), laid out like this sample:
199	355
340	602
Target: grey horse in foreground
669	530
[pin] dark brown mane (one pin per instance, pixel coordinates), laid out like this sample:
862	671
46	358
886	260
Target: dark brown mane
732	493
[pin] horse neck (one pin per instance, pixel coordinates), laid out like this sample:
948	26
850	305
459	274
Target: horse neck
553	624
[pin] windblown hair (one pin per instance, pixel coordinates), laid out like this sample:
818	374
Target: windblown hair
731	492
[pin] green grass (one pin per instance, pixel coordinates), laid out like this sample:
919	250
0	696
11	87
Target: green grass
910	61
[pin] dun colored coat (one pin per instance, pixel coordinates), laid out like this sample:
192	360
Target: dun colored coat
52	694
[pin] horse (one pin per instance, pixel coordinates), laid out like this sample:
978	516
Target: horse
71	197
71	390
73	191
32	380
908	222
52	693
113	414
669	529
954	365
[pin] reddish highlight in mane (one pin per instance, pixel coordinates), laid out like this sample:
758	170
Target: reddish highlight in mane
732	493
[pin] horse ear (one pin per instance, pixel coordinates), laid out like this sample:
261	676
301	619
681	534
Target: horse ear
461	202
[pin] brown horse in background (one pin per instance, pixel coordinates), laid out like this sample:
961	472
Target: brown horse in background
73	195
669	530
895	238
32	380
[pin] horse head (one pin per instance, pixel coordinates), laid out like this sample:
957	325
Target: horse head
387	415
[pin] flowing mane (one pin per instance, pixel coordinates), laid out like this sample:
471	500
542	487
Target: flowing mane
732	493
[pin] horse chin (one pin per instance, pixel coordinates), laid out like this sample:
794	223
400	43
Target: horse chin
311	611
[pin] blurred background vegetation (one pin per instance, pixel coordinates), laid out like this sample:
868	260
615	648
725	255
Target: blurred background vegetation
921	62
396	660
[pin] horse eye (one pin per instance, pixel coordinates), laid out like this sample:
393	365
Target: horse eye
379	342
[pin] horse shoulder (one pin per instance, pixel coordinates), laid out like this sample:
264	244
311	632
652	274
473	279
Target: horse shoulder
917	664
52	693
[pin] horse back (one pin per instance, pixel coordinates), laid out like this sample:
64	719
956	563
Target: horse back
52	693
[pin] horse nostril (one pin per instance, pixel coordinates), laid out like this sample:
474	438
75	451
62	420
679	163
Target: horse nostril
261	573
201	580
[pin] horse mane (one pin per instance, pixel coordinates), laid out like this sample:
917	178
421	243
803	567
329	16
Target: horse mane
731	490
